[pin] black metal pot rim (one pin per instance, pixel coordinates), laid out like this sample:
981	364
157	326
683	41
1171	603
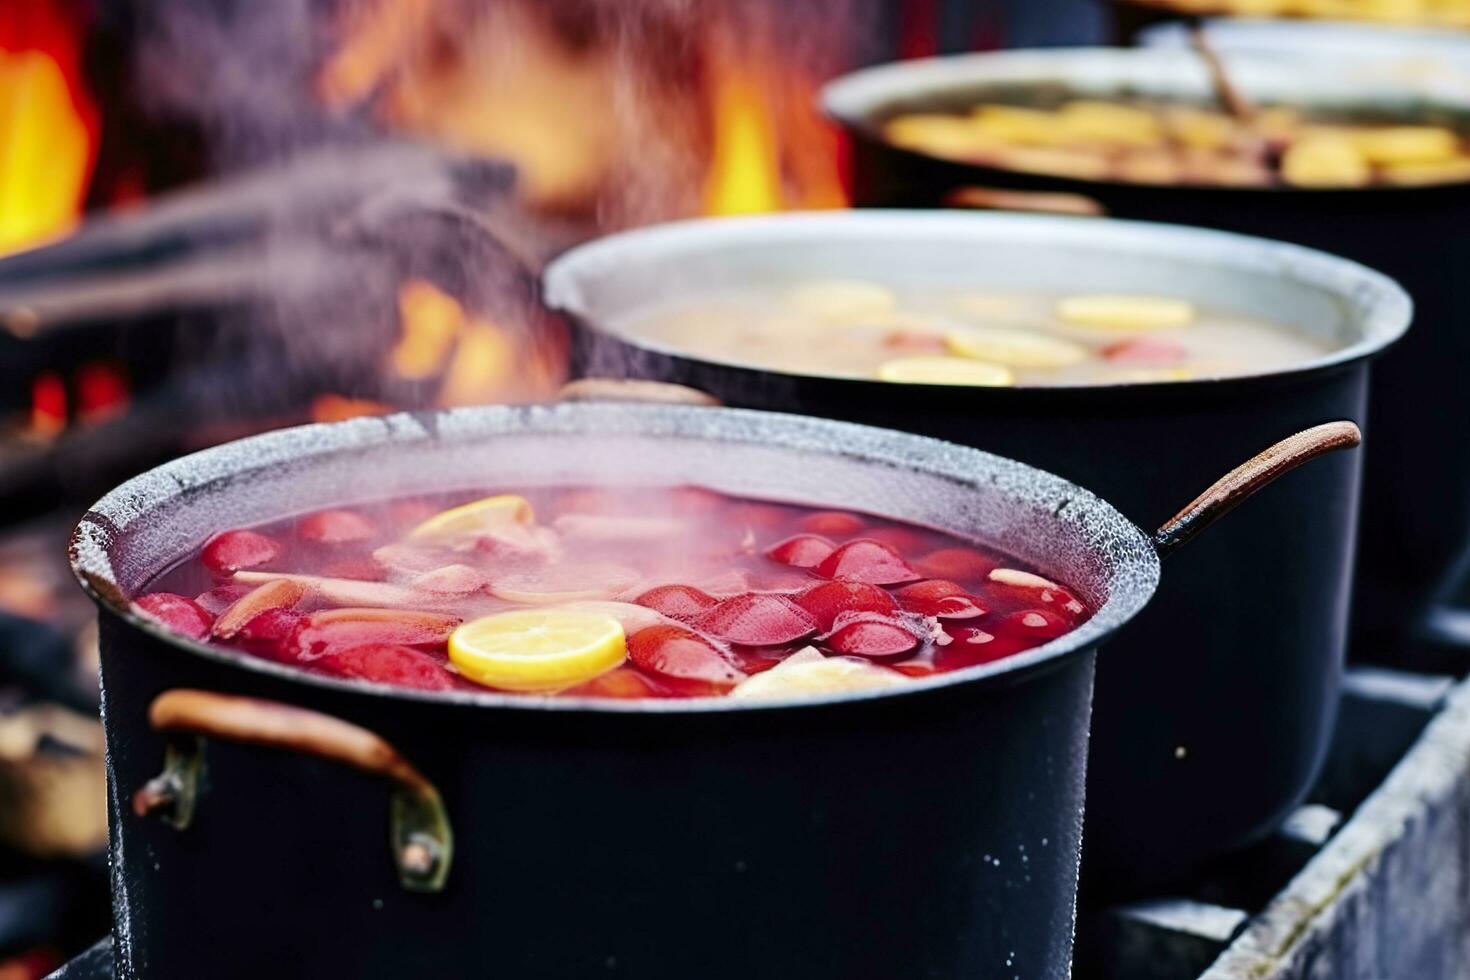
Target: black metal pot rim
1385	309
1134	577
857	99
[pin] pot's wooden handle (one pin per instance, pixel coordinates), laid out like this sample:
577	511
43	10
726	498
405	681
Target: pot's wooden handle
633	390
1234	487
422	841
1040	202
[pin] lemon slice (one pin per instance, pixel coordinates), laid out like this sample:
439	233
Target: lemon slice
537	649
1407	144
808	672
1017	348
1325	161
1123	312
945	371
841	301
469	519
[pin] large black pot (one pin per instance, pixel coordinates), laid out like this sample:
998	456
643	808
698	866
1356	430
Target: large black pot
930	832
1215	709
1417	480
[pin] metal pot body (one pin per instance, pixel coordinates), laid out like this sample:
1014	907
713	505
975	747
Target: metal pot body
934	832
1417	479
1214	710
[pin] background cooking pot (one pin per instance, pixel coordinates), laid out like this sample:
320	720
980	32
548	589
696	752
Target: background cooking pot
1417	478
933	831
1214	711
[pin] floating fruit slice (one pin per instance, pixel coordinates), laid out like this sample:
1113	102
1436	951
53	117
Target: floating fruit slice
272	634
335	527
841	300
1111	311
1147	352
973	645
1325	161
945	371
338	629
275	594
623	683
865	560
342	591
683	659
964	564
862	634
1419	174
559	584
451	580
832	523
537	649
808	672
470	520
179	613
683	602
829	600
1389	145
1035	588
801	550
941	599
1036	625
384	663
1015	348
231	551
1091	120
757	619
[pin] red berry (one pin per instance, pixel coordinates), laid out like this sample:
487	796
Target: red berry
970	646
801	551
832	523
939	598
758	620
831	599
271	634
1037	625
230	551
961	564
683	602
869	635
179	613
341	629
385	663
683	658
867	561
335	527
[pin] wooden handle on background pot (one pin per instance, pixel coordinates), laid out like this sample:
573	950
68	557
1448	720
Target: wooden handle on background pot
1234	487
1034	202
421	839
633	390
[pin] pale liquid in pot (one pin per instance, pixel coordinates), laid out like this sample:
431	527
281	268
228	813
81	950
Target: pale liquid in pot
859	329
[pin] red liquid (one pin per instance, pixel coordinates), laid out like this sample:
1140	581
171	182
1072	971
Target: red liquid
710	590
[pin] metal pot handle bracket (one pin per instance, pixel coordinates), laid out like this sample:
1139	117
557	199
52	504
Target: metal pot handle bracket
1234	487
420	837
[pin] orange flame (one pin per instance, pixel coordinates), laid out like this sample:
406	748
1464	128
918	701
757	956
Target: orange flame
745	171
48	124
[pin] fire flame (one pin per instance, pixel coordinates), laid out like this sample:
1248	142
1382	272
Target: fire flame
48	124
769	148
